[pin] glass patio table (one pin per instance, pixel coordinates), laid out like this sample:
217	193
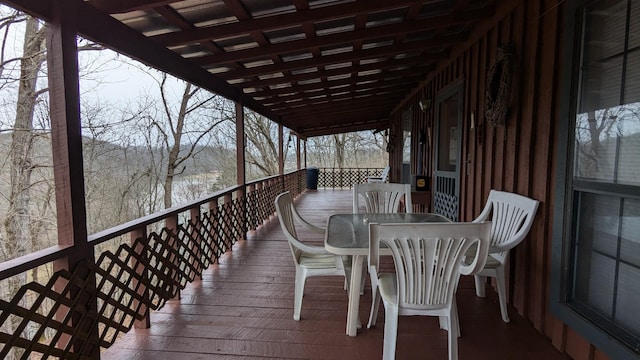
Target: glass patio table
348	235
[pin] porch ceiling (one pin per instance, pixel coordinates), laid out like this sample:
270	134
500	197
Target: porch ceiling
316	66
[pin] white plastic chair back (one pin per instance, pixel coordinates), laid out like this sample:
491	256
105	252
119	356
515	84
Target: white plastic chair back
285	212
382	197
428	260
512	216
309	260
384	176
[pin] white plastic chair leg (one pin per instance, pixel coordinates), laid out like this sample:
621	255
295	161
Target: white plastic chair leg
375	305
480	285
502	294
454	317
444	321
452	338
390	332
299	293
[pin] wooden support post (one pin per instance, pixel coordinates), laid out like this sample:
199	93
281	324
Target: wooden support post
66	139
280	149
298	159
241	164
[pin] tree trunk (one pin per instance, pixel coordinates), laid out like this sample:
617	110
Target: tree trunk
177	130
18	219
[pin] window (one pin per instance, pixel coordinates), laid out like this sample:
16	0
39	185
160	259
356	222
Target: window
599	280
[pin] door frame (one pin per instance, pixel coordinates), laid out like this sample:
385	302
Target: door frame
454	89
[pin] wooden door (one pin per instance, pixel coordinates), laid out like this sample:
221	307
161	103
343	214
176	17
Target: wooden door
446	176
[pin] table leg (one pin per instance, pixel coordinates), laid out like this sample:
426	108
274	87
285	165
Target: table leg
354	295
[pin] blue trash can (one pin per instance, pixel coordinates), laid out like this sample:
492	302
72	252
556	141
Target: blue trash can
312	178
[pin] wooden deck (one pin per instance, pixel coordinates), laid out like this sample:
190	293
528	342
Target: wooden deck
243	309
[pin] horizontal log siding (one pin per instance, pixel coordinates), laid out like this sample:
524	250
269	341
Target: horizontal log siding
517	157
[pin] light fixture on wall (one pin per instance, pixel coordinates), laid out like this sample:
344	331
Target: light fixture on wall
425	104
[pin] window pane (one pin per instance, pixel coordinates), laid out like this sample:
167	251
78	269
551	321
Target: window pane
595	282
632	79
599	223
630	233
627	298
634	26
627	170
608	145
603	55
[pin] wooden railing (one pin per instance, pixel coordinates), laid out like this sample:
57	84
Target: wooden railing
78	312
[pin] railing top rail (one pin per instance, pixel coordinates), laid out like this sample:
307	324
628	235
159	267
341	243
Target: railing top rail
37	258
127	227
27	262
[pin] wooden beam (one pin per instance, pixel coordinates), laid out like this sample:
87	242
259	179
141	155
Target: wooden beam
379	32
124	6
280	21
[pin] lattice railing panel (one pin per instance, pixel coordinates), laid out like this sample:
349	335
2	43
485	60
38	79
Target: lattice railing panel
76	313
344	178
446	205
252	216
124	286
238	220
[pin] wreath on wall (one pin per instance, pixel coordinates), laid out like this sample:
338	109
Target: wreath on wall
498	91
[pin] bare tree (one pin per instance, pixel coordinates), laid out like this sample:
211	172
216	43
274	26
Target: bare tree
262	144
17	222
355	149
339	141
184	129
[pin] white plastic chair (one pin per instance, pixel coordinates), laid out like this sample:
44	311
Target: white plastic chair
384	176
382	197
428	260
512	216
309	260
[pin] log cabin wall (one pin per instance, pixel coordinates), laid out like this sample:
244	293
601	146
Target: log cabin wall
518	156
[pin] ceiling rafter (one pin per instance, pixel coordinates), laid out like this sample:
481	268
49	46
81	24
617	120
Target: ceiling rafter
407	76
388	67
383	51
123	6
315	67
281	21
378	32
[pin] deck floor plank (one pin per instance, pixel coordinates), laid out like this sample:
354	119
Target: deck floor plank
242	308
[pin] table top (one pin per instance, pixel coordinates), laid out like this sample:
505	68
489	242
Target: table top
348	234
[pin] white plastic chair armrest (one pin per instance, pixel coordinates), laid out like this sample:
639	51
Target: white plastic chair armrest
309	249
305	223
479	258
312	250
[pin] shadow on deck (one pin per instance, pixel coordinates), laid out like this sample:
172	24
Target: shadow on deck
243	309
